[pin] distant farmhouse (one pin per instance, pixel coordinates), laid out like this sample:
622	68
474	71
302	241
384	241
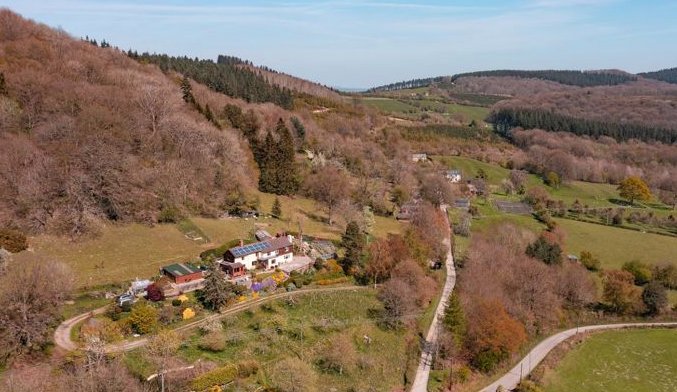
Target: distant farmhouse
419	157
267	254
454	176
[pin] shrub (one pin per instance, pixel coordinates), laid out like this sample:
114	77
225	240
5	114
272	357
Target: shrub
154	293
12	240
655	298
589	261
247	368
218	376
327	282
528	386
169	214
176	302
544	250
486	361
143	318
213	341
640	271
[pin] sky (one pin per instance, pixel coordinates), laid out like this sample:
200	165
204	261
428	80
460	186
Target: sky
359	44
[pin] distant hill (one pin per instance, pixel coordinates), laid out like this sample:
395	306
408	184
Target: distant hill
413	83
668	75
571	78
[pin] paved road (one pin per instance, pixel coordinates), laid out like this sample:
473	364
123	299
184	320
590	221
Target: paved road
423	372
62	335
510	380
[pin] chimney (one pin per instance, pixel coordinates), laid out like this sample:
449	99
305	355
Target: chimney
241	243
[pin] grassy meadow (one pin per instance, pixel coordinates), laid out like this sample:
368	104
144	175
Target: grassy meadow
408	107
632	360
303	329
614	246
123	252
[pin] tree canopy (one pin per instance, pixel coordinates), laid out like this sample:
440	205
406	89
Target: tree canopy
634	188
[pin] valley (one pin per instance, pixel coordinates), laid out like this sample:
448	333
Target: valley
180	223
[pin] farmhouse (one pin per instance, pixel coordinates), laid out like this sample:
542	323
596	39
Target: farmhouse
266	254
181	273
454	176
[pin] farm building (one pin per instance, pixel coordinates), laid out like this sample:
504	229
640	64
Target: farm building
181	273
266	254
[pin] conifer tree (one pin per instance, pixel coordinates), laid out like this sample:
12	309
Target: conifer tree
277	209
3	85
353	242
187	90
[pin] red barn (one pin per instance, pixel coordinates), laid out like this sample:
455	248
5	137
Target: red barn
182	273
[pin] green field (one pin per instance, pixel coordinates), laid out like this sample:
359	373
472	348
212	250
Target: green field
123	252
618	361
614	246
408	107
303	330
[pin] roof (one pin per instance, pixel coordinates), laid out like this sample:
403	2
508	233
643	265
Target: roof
262	235
263	246
454	172
180	269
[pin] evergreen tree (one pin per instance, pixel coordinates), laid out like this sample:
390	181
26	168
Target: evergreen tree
187	90
277	209
299	128
217	292
287	176
3	85
353	242
544	250
454	319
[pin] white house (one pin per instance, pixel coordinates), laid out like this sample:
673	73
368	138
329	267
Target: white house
267	254
454	176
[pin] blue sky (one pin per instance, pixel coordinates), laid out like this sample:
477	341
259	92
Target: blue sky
354	43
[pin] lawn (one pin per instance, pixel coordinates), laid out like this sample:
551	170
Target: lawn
389	105
120	252
123	252
614	246
633	360
302	329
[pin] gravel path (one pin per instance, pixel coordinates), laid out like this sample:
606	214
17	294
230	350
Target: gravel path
423	372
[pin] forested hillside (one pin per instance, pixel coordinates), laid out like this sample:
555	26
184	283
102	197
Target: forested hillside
666	75
571	78
508	118
414	83
89	134
227	76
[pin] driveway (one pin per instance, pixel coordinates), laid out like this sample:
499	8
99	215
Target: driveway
423	372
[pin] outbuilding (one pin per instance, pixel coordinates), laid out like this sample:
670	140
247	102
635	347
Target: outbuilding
181	273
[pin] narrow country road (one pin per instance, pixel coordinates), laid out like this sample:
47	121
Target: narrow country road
510	380
423	372
62	335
